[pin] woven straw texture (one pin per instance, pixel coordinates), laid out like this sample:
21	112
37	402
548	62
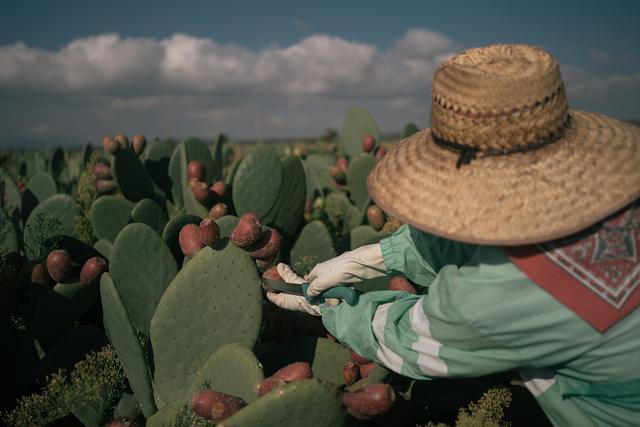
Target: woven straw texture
516	199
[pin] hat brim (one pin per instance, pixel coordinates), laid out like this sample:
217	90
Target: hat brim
515	199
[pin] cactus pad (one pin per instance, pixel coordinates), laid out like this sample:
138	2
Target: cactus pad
60	206
227	223
186	151
256	184
298	404
287	213
171	233
142	267
314	245
149	212
104	247
109	215
233	369
356	126
408	130
42	186
124	339
131	176
199	313
156	162
357	179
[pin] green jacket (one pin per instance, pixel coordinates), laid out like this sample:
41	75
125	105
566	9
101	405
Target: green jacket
482	315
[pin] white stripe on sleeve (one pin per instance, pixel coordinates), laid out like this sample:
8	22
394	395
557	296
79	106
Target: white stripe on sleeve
387	357
427	347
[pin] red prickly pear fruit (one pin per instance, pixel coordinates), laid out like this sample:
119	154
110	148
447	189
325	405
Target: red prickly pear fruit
92	270
121	422
138	143
110	145
375	217
122	140
267	245
337	174
105	185
368	143
399	283
247	231
200	191
195	170
39	275
294	372
366	369
22	186
220	188
209	232
269	384
59	265
350	373
342	163
271	274
380	153
101	171
214	405
369	401
189	239
218	211
359	359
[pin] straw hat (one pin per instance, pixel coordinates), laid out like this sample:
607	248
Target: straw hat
506	161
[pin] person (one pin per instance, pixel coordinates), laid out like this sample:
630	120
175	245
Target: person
522	218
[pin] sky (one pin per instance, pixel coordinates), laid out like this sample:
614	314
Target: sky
73	71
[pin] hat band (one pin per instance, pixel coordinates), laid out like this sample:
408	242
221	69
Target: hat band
468	153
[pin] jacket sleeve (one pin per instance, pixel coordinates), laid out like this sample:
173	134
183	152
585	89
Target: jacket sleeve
420	256
477	319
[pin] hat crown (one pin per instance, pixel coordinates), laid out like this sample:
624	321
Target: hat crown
499	98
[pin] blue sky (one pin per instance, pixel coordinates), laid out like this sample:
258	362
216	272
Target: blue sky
596	42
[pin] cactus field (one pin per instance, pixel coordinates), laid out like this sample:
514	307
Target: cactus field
131	286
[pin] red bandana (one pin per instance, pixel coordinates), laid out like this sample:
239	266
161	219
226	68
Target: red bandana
595	273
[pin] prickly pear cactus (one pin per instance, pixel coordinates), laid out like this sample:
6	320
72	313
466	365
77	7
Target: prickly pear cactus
131	176
142	267
148	211
342	215
171	233
8	235
62	207
57	163
104	247
357	179
156	162
356	126
42	185
233	369
186	151
314	245
365	235
408	130
199	313
297	404
286	215
257	182
165	417
227	223
317	175
325	357
378	374
124	339
109	215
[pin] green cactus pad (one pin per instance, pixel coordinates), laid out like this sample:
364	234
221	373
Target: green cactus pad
325	357
131	176
156	162
233	369
298	404
123	337
199	313
356	126
171	233
127	406
357	179
217	152
104	247
109	215
192	206
233	168
85	155
408	130
186	151
13	195
8	236
142	266
147	211
62	207
227	223
341	213
314	245
287	214
58	308
57	163
257	182
365	235
165	417
317	175
42	185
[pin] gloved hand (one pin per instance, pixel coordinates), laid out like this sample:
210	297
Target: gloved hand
366	262
292	302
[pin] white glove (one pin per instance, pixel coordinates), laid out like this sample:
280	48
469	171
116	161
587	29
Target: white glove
292	302
366	262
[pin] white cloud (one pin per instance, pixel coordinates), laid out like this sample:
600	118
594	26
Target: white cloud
185	85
